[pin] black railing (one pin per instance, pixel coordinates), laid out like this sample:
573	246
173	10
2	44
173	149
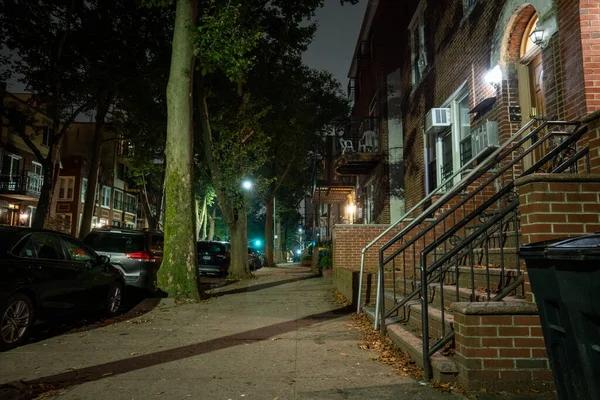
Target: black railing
27	183
360	135
473	215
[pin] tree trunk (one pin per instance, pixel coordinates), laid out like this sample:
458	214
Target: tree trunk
238	232
92	183
177	275
279	255
213	217
269	251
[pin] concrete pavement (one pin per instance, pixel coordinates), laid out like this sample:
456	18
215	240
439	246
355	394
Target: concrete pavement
280	336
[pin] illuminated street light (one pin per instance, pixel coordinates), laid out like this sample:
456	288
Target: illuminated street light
247	184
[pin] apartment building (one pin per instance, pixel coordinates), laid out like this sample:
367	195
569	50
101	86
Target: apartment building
476	129
21	175
116	201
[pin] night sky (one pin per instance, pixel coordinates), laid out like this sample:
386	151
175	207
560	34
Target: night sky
333	46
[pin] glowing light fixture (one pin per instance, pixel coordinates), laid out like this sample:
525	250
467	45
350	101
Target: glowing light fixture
298	251
537	37
494	77
351	208
247	184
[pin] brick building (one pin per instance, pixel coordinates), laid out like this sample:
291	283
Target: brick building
21	175
116	200
485	116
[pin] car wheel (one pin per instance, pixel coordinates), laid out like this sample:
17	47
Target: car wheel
114	299
17	316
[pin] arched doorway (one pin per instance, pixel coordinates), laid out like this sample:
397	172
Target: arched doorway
530	71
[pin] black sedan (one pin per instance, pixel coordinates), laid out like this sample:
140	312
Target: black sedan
43	271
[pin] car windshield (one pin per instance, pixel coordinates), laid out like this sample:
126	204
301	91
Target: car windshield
157	243
213	248
112	242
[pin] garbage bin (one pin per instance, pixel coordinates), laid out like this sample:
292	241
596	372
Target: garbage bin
565	280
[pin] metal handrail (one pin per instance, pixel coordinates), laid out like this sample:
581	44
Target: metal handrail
437	264
514	142
435	191
404	218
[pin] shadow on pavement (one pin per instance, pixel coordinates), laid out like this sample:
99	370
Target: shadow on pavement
136	303
261	286
22	390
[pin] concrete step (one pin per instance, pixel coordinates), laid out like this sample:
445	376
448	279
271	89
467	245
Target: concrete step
479	278
451	294
444	367
411	317
495	257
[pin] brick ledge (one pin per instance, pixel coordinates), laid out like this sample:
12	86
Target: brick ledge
495	308
557	178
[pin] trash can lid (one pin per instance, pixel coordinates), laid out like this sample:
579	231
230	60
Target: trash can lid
575	248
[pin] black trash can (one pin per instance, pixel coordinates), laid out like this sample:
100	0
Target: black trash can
565	280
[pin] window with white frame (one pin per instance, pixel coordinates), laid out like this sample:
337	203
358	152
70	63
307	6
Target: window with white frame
105	197
65	187
36	177
130	204
84	182
418	43
451	149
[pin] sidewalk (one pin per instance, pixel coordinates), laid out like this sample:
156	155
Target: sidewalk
281	336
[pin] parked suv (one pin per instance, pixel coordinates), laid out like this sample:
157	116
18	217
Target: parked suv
254	259
213	258
137	253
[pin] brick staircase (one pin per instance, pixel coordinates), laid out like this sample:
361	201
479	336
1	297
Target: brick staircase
460	254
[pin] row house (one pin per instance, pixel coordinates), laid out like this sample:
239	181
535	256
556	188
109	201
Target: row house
116	201
475	130
21	175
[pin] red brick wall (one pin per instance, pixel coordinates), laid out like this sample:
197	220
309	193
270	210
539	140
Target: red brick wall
553	206
500	351
589	16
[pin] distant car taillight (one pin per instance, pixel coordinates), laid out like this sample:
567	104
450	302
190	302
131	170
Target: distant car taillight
221	256
141	255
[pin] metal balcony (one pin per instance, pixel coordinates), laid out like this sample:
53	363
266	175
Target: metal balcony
24	186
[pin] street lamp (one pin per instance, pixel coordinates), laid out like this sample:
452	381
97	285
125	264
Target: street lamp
247	184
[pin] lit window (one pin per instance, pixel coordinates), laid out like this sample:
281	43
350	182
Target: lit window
83	189
65	187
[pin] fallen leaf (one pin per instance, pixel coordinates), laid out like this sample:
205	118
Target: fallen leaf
344	354
133	353
276	338
159	393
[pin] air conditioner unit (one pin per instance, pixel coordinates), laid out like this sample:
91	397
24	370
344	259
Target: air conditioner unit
484	137
436	120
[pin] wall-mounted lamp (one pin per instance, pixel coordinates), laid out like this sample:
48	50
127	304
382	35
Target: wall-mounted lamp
494	77
538	37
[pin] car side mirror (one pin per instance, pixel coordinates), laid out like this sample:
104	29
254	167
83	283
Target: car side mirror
103	260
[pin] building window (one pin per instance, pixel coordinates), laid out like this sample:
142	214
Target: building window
65	187
116	223
36	178
418	43
95	222
31	214
106	197
118	200
46	133
130	204
121	171
447	152
103	222
11	166
84	182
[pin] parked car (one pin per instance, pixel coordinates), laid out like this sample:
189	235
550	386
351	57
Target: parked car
213	258
254	259
44	271
137	253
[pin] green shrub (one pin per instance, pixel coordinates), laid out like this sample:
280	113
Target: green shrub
306	257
